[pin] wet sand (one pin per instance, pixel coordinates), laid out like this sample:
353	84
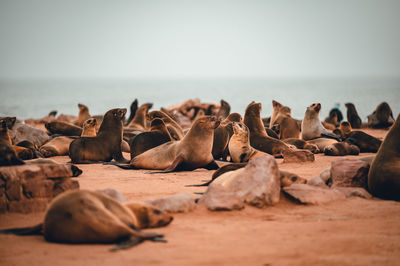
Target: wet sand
354	231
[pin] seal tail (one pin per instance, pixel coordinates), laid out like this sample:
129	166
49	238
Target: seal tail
201	185
24	231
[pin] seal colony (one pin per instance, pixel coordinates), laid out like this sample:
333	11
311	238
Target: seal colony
163	141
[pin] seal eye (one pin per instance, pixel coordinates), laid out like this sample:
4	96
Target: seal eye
157	212
293	178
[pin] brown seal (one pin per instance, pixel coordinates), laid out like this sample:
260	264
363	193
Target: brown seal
222	134
384	174
89	128
352	116
7	153
83	216
224	110
133	108
382	117
341	149
105	146
282	122
192	152
157	135
175	130
83	114
63	128
302	144
139	121
59	146
259	139
311	126
239	145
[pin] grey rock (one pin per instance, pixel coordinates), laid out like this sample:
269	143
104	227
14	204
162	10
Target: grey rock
347	172
184	202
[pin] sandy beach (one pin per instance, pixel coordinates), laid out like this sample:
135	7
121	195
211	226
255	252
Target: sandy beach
354	231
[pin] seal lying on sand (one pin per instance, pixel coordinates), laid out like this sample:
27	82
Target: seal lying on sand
105	146
83	216
192	152
384	174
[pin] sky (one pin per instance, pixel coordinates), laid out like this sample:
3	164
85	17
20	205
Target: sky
161	39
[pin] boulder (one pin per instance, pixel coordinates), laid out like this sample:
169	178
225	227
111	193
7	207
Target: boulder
308	194
347	172
298	156
257	184
184	202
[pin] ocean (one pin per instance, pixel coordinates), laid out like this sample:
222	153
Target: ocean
35	99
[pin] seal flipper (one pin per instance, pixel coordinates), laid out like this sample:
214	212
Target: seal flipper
24	231
174	166
330	136
120	158
211	166
122	166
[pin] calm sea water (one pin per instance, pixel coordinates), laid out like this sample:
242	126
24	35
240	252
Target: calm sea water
36	99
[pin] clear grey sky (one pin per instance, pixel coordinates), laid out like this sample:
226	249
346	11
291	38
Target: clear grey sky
199	39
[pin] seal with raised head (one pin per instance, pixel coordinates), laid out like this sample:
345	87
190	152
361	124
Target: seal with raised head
105	146
239	144
384	173
192	152
222	135
224	110
282	122
7	153
259	139
352	116
335	116
382	117
133	108
311	126
174	129
139	121
83	216
157	135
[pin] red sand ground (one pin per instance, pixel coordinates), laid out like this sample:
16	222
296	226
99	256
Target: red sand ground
354	231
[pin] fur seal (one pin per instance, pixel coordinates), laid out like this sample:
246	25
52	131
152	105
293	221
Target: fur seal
302	144
83	216
384	174
157	135
311	126
222	135
239	144
59	146
192	152
224	110
89	128
105	146
382	117
83	114
322	143
7	153
283	123
341	149
259	139
335	116
63	128
352	116
139	121
174	129
133	108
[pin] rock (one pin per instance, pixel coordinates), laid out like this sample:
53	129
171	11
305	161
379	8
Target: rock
64	185
113	194
29	205
347	172
298	156
257	184
218	199
184	202
38	188
316	181
307	194
354	192
3	203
